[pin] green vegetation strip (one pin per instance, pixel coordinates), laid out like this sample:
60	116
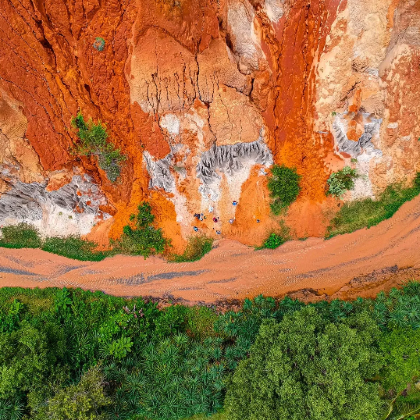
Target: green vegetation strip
73	354
366	213
25	236
138	238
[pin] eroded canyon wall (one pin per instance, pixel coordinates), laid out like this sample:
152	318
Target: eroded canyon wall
202	96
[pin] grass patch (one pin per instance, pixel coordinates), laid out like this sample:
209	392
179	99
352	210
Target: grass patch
93	141
26	236
75	248
197	247
20	236
366	213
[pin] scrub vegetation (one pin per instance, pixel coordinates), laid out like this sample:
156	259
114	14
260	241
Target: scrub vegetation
275	239
26	236
74	354
197	247
367	212
341	181
139	238
284	188
93	140
75	248
20	236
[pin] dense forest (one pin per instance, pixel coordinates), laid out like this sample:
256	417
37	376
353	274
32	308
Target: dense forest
80	355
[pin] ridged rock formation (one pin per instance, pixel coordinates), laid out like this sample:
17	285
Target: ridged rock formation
202	96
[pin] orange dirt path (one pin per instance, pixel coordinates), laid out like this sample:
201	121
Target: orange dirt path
232	270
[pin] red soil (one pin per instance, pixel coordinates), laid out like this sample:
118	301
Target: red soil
360	263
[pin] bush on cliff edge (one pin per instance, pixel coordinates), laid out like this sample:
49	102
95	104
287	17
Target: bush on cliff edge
284	188
141	238
93	141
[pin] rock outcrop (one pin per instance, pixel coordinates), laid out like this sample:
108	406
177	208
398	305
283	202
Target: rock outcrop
202	96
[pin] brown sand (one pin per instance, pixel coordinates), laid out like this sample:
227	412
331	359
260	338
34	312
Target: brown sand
344	266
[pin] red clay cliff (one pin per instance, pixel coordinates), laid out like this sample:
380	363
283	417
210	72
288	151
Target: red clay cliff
203	96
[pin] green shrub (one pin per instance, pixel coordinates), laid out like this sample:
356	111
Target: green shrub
277	239
197	247
199	322
284	188
99	44
367	212
240	328
172	321
75	248
273	241
143	239
93	141
305	367
401	349
120	348
341	181
84	401
20	236
24	358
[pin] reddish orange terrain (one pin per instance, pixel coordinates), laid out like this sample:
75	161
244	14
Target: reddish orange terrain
357	264
203	97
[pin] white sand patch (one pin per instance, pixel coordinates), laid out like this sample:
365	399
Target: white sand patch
194	123
242	32
363	185
236	180
171	123
274	9
54	213
161	177
233	162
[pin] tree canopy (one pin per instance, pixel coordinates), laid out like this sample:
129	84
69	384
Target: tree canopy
305	367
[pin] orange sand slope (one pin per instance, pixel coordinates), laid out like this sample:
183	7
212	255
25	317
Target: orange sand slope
232	270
